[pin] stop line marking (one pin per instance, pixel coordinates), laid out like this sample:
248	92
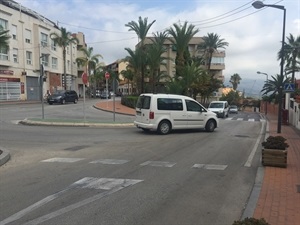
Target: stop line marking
210	166
65	160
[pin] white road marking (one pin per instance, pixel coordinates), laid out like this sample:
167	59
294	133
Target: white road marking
251	120
158	163
251	156
239	119
64	160
210	166
109	184
110	161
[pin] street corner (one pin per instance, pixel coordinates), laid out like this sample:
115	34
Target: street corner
4	156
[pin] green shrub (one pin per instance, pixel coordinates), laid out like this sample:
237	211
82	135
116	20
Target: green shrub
251	221
129	101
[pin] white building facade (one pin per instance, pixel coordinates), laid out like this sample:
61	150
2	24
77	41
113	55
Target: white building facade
30	46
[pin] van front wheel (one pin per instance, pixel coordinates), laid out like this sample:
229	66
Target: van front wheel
164	127
210	126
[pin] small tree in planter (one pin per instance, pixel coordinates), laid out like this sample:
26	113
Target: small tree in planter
274	152
251	221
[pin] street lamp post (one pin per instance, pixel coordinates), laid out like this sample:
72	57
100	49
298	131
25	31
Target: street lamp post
259	5
266	103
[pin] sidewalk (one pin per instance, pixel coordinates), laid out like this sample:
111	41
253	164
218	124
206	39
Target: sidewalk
119	108
279	199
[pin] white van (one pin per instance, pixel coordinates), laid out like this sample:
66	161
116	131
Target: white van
166	112
221	108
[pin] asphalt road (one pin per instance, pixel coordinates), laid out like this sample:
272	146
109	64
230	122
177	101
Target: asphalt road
67	175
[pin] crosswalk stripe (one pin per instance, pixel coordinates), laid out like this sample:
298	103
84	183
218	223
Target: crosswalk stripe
64	160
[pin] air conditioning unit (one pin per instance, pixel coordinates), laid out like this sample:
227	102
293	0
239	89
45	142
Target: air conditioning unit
24	73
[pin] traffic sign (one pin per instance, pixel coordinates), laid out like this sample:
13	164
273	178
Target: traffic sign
107	75
84	78
289	87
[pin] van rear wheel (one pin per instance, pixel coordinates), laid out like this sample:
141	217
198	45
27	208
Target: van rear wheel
164	127
210	126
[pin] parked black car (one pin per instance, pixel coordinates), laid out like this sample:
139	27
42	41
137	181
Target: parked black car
63	96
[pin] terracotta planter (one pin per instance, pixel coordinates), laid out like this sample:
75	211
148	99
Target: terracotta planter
274	157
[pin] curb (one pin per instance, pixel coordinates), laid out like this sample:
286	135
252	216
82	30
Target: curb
5	156
73	124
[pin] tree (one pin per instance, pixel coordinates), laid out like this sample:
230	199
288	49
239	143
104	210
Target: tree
63	40
291	55
155	58
4	38
141	29
232	97
134	64
212	42
128	75
235	80
273	85
90	62
181	36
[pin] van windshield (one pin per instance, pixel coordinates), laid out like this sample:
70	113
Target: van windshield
216	105
143	102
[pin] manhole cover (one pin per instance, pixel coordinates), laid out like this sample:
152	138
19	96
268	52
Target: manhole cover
76	148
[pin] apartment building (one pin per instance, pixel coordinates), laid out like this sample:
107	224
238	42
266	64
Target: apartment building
30	46
217	63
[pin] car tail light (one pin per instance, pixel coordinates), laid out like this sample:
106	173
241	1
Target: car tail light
151	115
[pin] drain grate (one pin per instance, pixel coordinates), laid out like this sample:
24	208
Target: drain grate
76	148
298	188
237	135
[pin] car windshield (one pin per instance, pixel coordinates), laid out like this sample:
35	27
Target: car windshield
216	105
59	92
233	107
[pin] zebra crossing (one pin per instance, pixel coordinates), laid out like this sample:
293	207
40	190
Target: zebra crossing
246	119
144	164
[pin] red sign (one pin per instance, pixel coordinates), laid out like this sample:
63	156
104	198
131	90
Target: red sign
107	75
84	78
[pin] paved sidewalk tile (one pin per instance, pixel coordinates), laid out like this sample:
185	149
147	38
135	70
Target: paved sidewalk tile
279	200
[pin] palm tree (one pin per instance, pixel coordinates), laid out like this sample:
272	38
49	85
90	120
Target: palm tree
181	36
90	62
235	80
134	64
63	40
141	29
4	38
128	75
155	58
291	54
212	42
273	86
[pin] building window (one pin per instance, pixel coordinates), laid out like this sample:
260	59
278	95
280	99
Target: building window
28	36
29	58
54	63
45	59
217	60
14	32
3	24
4	54
68	65
44	39
53	45
15	55
68	50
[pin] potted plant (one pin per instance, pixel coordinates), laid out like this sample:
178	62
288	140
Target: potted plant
274	152
251	221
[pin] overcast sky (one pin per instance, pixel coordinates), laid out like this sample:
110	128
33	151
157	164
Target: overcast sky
254	36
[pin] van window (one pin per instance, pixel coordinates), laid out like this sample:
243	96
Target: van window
169	104
216	105
192	106
143	102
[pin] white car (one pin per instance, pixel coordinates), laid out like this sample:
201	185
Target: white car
166	112
233	109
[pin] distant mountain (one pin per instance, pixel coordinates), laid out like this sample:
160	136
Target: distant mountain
251	88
